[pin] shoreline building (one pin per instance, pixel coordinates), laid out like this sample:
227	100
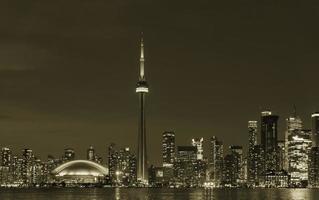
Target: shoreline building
142	90
169	157
216	161
269	140
252	142
294	126
298	149
313	167
184	166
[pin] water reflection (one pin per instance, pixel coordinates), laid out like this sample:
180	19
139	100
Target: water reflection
300	194
157	194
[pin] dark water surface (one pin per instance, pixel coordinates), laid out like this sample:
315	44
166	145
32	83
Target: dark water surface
153	193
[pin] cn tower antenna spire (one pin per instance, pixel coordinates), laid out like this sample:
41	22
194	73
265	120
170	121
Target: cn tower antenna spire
142	60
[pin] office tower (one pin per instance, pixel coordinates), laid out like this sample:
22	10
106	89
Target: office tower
5	166
112	162
216	161
281	153
198	143
237	152
252	142
126	167
298	149
315	129
257	165
229	171
27	166
122	166
16	169
313	165
90	155
184	166
293	127
269	137
168	148
5	157
313	168
69	154
142	90
200	169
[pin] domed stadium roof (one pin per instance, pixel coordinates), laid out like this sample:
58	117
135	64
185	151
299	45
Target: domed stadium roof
80	168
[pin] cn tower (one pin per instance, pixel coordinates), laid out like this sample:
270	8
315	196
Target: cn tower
142	90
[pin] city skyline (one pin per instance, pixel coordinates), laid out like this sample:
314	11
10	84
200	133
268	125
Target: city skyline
272	162
67	79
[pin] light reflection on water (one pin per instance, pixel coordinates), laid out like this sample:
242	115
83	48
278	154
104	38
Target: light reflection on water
157	194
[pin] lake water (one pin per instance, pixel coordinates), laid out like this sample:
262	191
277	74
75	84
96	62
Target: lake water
157	194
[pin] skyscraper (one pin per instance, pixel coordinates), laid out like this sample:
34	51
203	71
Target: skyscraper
142	90
198	143
313	166
216	161
298	149
184	166
122	167
315	129
237	152
168	145
5	157
257	165
252	142
27	166
281	154
294	126
269	138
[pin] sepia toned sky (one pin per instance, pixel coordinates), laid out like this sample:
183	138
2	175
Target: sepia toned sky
68	70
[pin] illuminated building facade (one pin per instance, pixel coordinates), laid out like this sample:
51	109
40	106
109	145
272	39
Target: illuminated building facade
184	166
257	165
237	152
198	143
315	129
216	161
298	150
281	153
293	127
252	142
269	138
313	166
122	166
168	150
276	179
27	166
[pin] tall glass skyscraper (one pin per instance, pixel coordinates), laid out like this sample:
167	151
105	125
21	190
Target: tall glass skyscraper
269	138
216	161
168	148
252	142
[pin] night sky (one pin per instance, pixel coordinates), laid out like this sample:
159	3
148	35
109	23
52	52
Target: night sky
68	70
